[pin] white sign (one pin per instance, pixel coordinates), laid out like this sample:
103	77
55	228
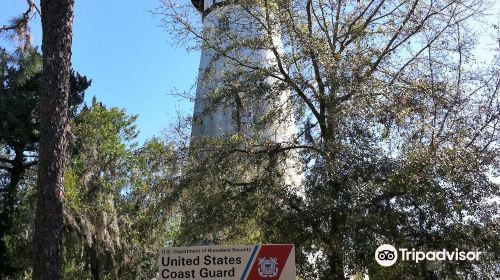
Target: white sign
247	262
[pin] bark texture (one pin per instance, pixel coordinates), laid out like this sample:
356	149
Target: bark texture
57	21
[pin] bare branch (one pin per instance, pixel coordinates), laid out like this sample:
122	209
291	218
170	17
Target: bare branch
25	18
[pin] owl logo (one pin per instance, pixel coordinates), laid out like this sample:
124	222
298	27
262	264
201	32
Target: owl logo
268	267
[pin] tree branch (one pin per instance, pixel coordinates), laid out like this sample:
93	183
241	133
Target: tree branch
26	17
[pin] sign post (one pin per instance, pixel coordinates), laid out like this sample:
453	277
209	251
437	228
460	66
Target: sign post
248	262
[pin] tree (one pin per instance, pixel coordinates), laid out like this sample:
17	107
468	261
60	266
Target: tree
57	22
118	197
150	220
100	165
19	97
398	132
18	133
113	191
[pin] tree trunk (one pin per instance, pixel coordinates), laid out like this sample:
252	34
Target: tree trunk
94	264
57	21
7	213
335	251
335	267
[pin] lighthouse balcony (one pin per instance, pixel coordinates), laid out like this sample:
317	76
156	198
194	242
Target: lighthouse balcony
205	6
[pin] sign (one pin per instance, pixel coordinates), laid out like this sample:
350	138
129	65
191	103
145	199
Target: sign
252	262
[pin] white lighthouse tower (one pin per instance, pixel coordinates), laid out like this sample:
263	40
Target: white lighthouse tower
234	95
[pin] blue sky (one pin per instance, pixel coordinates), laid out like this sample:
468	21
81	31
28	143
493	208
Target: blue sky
132	61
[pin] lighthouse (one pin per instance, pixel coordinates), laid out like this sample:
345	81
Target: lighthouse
235	93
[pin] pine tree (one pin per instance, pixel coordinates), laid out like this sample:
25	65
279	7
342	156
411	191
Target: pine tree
57	23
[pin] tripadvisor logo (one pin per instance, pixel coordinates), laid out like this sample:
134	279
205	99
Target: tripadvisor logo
387	255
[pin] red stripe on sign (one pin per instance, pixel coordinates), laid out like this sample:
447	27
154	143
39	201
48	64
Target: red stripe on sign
270	262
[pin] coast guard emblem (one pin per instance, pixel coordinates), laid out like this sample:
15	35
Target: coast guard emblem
268	267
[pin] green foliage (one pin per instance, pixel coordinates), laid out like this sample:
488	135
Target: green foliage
19	241
19	97
119	197
146	208
72	191
19	121
114	191
99	165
